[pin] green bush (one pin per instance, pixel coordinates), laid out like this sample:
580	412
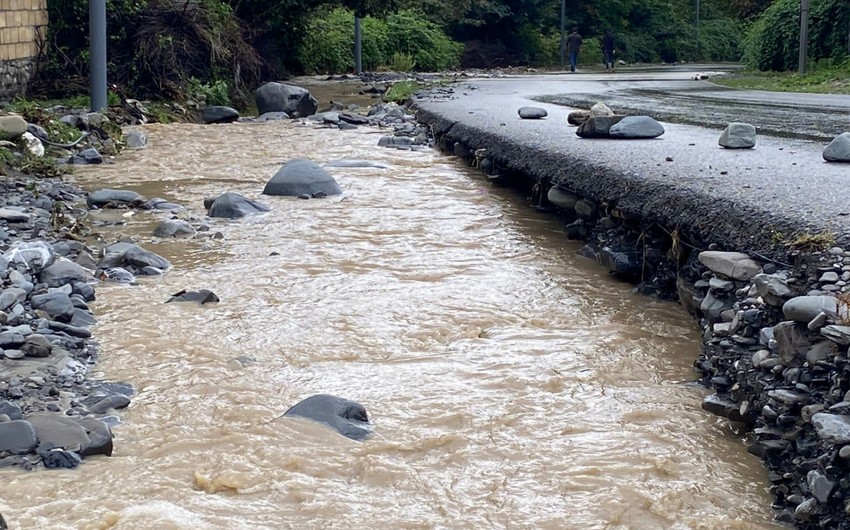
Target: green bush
772	42
402	62
328	46
410	32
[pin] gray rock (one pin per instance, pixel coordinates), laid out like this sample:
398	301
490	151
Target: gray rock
712	307
302	177
721	285
562	199
837	334
832	428
11	296
788	397
817	322
108	403
219	114
792	343
110	198
93	119
59	459
13	216
63	272
86	436
202	297
806	510
234	206
10	409
37	345
357	164
12	127
82	318
14	354
273	116
771	285
734	265
636	127
725	408
819	352
57	305
161	204
33	255
131	256
74	331
11	341
346	417
598	127
174	228
738	136
829	277
805	308
395	141
136	139
87	156
600	109
85	290
577	117
353	119
278	97
532	113
839	149
17	437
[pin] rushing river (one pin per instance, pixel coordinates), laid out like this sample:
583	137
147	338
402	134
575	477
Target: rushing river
511	383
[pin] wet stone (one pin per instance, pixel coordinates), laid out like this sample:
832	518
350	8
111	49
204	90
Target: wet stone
738	136
832	428
17	437
532	113
805	308
11	410
734	265
839	149
59	459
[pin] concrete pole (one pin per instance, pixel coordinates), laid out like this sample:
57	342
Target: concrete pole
563	34
358	46
804	34
97	54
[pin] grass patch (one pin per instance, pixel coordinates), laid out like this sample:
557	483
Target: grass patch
400	92
822	79
808	242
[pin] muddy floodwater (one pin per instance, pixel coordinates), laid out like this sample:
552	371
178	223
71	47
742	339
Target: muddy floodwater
511	383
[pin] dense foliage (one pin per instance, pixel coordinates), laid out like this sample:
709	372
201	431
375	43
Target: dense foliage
214	49
772	43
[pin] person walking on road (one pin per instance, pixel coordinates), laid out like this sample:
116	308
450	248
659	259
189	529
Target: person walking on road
608	50
574	47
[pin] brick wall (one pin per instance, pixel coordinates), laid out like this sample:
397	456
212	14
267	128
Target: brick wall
22	23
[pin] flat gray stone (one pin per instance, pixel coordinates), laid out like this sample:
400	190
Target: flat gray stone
105	197
837	334
636	127
62	272
820	486
562	199
734	265
839	149
804	309
173	228
832	428
13	216
37	345
532	113
12	127
57	305
738	136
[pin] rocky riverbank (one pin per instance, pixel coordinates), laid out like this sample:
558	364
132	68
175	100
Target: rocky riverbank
776	328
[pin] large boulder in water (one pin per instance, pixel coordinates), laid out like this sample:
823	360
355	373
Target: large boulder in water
346	417
233	206
302	177
131	257
219	114
278	97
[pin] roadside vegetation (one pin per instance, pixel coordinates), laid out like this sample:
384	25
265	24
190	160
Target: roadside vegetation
217	51
825	77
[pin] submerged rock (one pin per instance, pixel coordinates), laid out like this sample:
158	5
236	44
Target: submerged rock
108	198
357	164
202	297
233	206
302	177
174	228
348	418
219	114
116	274
131	257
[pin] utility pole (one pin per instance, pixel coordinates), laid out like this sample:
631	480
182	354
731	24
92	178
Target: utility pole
563	35
804	34
358	46
97	54
697	25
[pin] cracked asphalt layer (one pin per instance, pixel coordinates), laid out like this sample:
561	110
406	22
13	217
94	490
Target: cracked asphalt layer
740	199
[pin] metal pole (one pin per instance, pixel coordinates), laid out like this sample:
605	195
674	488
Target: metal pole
697	54
358	46
563	33
804	34
97	54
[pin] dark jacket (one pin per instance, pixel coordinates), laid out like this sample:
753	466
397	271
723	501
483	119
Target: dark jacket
574	42
608	42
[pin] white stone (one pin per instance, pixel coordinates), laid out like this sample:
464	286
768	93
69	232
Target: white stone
33	144
738	136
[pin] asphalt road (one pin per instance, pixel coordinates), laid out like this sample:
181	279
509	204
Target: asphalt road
742	200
